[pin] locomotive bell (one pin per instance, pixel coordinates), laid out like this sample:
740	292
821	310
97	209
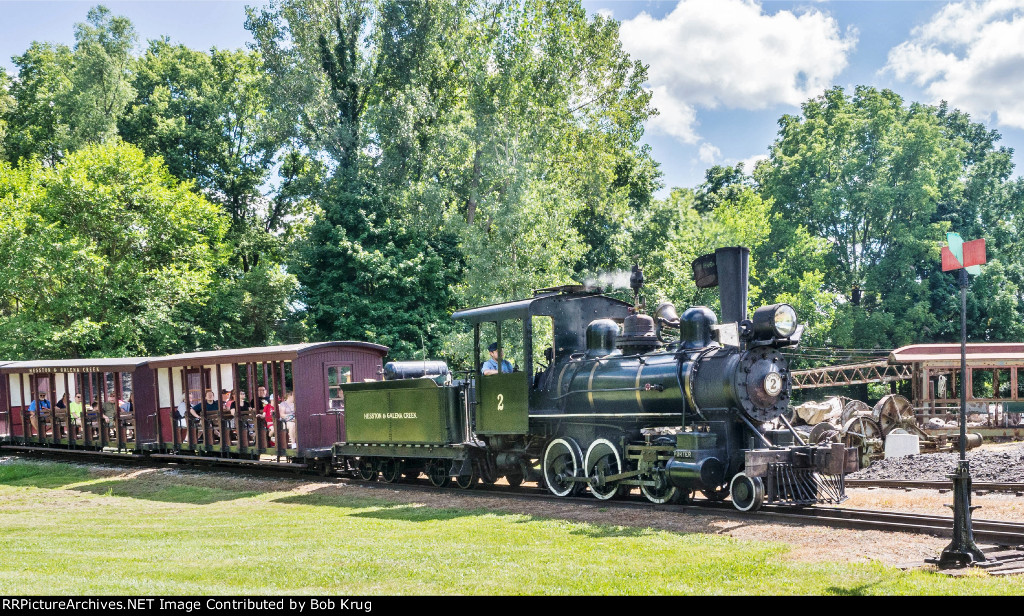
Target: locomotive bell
638	335
666	312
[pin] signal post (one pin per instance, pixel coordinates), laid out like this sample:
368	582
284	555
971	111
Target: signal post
965	258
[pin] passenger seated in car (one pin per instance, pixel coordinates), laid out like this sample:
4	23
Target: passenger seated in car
74	416
209	404
244	415
288	419
97	420
61	408
38	407
110	409
182	415
227	409
268	416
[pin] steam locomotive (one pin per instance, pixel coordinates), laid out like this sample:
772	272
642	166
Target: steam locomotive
668	403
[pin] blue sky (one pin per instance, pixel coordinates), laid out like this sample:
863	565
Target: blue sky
722	71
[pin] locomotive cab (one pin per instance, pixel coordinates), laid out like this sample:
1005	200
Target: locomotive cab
538	335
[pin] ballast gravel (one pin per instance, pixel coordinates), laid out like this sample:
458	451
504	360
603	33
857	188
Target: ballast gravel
1005	464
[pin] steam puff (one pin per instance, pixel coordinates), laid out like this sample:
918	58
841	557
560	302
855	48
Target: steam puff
609	280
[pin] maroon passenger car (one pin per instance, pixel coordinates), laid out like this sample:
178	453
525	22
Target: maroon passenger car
156	386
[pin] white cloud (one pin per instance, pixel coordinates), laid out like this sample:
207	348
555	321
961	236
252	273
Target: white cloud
750	162
708	153
675	117
970	54
710	53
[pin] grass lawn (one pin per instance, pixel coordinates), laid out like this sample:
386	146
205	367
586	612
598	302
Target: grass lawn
66	530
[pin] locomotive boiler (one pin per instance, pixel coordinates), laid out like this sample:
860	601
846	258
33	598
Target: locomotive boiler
606	398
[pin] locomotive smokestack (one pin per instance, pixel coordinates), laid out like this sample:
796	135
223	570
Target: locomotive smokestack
729	269
733	266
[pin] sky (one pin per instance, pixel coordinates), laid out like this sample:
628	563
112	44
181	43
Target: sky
722	72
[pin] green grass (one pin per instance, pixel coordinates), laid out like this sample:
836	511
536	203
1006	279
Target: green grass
68	532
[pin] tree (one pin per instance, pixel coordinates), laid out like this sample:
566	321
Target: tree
880	182
676	232
101	88
208	116
65	99
104	254
511	126
38	123
6	105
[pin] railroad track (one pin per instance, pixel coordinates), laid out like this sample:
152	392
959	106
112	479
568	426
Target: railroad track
902	484
994	532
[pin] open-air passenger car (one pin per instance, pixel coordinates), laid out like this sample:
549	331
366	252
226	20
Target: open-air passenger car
155	387
102	384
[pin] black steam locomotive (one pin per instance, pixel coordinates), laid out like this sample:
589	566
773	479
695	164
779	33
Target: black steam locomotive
608	398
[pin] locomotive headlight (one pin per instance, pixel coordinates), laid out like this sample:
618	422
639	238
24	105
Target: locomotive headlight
775	321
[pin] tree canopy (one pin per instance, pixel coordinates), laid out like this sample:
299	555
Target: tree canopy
103	254
367	167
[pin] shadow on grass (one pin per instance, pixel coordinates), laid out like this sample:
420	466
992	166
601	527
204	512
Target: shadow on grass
850	591
382	509
146	489
50	475
600	532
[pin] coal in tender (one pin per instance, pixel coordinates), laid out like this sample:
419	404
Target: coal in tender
992	466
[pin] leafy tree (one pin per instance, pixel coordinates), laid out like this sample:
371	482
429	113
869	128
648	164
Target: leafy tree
467	120
64	98
677	232
881	182
207	115
37	124
6	105
101	88
104	254
366	272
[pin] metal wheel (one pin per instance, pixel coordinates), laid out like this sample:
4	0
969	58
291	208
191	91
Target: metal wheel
602	460
663	492
854	408
323	468
468	482
390	469
863	433
823	433
860	429
562	461
367	469
747	492
437	473
893	411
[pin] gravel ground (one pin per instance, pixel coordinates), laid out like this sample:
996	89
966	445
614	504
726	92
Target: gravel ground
995	462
